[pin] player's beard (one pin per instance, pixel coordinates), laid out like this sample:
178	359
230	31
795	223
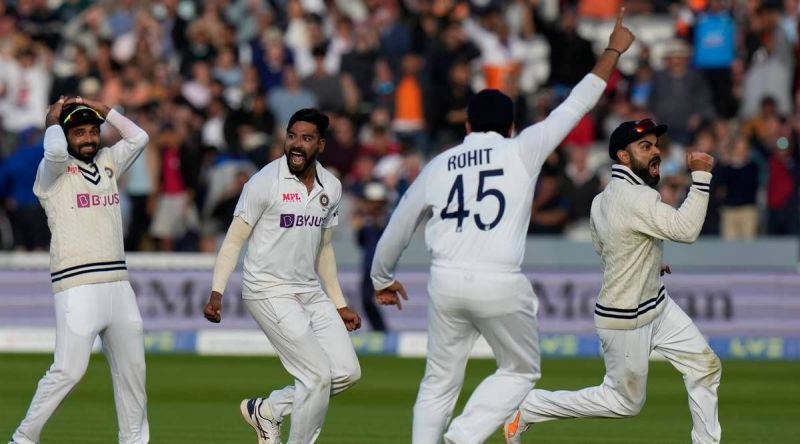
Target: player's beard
299	170
649	172
85	157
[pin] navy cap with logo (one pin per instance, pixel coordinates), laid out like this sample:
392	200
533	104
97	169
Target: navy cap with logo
490	109
631	131
74	114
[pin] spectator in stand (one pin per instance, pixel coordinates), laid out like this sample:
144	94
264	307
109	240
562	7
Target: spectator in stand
341	148
369	221
550	206
739	181
680	97
175	213
714	53
571	56
581	185
449	107
335	93
771	68
783	214
26	81
17	174
359	62
284	100
409	113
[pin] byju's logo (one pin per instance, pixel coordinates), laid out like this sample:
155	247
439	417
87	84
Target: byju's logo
84	201
298	220
287	220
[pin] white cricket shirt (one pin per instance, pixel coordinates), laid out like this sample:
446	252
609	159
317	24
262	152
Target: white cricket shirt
287	224
629	224
82	203
477	196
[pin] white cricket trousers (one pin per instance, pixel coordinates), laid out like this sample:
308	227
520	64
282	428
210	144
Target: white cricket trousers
463	306
82	313
626	354
313	345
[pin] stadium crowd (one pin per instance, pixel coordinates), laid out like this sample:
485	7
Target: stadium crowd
214	83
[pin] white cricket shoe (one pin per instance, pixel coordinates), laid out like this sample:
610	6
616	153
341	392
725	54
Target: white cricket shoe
267	428
514	428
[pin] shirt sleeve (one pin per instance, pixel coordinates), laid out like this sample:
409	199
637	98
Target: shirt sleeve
536	142
332	219
134	140
410	212
657	219
255	198
55	159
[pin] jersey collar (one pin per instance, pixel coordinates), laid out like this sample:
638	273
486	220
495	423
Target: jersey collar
622	172
287	174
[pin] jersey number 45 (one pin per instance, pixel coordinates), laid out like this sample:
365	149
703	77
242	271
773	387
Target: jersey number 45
460	213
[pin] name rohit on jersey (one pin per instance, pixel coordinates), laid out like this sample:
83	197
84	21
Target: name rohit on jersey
469	159
86	200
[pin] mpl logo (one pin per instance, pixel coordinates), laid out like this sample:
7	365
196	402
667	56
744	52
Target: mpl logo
72	169
299	220
291	197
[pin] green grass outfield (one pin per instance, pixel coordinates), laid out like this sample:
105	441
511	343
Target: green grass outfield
195	400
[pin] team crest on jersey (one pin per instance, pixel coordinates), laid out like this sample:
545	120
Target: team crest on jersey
109	172
324	200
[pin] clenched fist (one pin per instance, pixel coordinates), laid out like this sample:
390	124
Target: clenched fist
699	162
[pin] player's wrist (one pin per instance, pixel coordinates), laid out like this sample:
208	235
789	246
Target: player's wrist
610	48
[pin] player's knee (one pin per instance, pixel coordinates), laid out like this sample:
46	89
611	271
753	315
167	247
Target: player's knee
317	380
73	374
631	407
712	369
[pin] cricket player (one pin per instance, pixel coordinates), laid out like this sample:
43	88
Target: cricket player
77	186
476	201
634	314
286	214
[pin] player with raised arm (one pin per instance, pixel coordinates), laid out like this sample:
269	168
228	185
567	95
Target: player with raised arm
634	314
475	200
286	214
77	185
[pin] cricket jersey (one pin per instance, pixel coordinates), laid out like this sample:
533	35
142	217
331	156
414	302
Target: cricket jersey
475	198
629	224
82	205
287	223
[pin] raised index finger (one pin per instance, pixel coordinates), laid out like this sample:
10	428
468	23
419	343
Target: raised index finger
620	17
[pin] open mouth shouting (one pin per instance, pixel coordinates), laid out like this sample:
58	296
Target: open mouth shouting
297	158
655	166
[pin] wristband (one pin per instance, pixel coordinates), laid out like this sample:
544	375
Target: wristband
615	50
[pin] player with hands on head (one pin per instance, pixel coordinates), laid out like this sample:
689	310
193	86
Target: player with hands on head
634	314
475	202
286	214
76	183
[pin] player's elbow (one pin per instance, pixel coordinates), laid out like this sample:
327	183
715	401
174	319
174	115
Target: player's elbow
141	139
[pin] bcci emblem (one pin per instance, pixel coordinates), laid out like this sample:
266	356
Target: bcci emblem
109	172
324	200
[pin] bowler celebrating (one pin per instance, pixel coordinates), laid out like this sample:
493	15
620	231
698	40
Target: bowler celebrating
287	211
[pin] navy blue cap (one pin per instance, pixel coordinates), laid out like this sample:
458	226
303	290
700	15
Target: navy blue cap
631	131
73	115
490	108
